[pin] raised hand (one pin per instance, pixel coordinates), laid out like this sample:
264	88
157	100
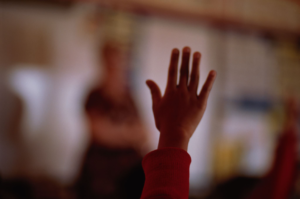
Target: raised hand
179	111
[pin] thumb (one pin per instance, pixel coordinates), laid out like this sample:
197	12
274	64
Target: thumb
155	93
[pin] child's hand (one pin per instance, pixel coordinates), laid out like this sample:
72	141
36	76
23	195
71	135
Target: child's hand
179	111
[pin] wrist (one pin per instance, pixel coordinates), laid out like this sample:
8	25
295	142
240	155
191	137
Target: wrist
173	139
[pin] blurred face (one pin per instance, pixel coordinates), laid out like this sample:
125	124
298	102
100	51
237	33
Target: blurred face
114	59
115	64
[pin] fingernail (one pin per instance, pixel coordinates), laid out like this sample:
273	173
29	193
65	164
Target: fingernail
213	73
175	51
186	49
197	55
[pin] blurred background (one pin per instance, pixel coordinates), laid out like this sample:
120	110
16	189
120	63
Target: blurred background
75	112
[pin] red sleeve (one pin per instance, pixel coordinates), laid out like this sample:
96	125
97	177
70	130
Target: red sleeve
167	174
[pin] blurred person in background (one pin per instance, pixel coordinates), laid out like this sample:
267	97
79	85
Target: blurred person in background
11	107
112	165
12	154
281	180
42	127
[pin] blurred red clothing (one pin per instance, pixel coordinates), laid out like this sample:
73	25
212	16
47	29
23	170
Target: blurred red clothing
279	182
166	174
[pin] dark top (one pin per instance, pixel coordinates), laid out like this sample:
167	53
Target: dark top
118	111
111	173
